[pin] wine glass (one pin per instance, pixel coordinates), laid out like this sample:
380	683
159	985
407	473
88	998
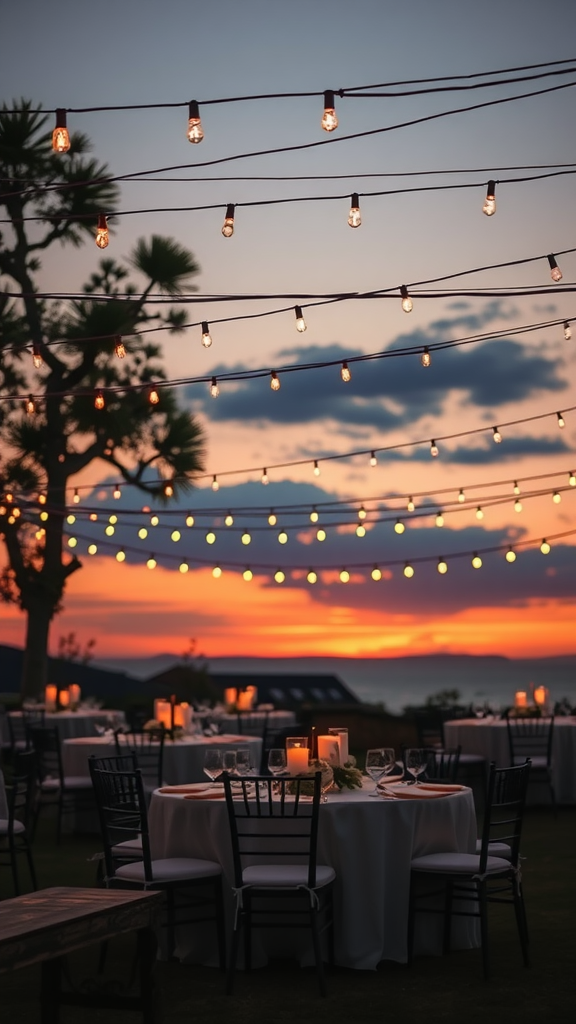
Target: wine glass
213	764
243	762
229	762
415	762
376	765
277	761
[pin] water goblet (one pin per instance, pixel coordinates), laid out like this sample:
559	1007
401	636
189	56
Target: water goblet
376	763
229	762
213	764
277	761
415	762
243	762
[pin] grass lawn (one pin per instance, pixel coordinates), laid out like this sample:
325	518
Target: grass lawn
439	989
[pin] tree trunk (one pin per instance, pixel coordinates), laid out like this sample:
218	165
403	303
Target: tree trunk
35	666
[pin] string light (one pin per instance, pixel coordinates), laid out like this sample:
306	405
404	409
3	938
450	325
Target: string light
121	556
76	497
206	336
228	225
517	506
373	459
461	496
60	136
215	484
264	479
545	547
300	321
561	420
143	533
316	469
489	207
321	535
362	512
556	498
30	405
516	489
312	576
113	519
329	119
442	567
345	373
439	519
272	520
407	304
572	479
510	555
246	538
154	520
433	449
354	217
92	549
36	357
426	358
555	272
214	389
151	563
274	381
153	396
344	576
72	541
360	530
497	436
476	561
189	520
183	567
168	490
282	537
194	132
408	571
117	493
279	576
410	506
314	515
119	347
247	575
216	572
479	513
376	574
70	520
567	331
210	537
102	237
109	531
99	400
399	526
229	520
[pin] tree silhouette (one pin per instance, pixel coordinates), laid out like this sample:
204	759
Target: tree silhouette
63	354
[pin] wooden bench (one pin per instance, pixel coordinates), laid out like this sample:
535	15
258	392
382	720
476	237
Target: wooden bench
43	927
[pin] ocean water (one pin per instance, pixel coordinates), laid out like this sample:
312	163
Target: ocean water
398	682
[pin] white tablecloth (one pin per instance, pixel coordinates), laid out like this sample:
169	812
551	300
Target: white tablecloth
489	737
368	842
82	722
183	759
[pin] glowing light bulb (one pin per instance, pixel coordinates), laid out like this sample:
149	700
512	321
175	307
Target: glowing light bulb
154	520
30	405
555	272
229	519
399	526
373	459
283	537
246	538
433	449
264	478
92	549
479	513
194	132
76	498
344	576
189	520
117	493
206	336
316	469
279	576
228	225
247	575
41	499
102	237
274	381
210	537
410	506
408	571
517	506
44	516
545	547
300	321
216	572
142	533
572	479
515	489
272	519
496	435
345	373
321	534
489	207
312	576
153	396
510	555
215	484
99	400
113	519
72	542
476	561
362	512
183	567
151	563
461	496
70	520
214	389
360	530
36	357
60	136
567	331
426	358
376	573
168	490
354	217
407	304
119	347
175	536
109	531
120	556
556	498
329	120
561	420
442	567
314	517
439	519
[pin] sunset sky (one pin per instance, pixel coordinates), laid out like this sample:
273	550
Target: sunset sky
72	55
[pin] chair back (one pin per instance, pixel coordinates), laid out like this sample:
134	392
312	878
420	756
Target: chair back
115	762
273	820
147	745
429	727
46	743
121	804
21	792
442	765
504	811
530	737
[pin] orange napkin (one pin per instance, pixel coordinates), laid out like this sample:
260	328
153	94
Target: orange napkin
401	792
207	795
191	787
443	787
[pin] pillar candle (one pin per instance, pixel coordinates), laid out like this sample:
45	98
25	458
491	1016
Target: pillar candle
64	698
297	760
520	699
230	695
163	713
342	735
182	715
329	749
51	697
540	695
74	693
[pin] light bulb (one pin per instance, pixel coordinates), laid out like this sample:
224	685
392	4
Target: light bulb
44	516
360	530
497	436
433	449
151	563
102	237
545	547
376	573
556	498
373	459
314	517
99	400
555	272
479	513
214	389
279	576
189	520
30	405
154	520
320	534
92	549
442	567
153	396
246	538
572	479
476	561
194	132
216	572
354	217
274	381
109	531
426	358
407	304
410	506
168	490
206	337
229	519
329	120
175	536
41	499
247	575
60	136
228	225
264	479
489	207
142	533
362	512
183	567
516	489
272	519
119	347
117	493
461	496
567	331
210	537
439	519
70	520
408	571
300	321
561	420
215	484
510	555
283	537
312	576
36	357
345	373
316	468
120	556
113	519
76	498
344	576
399	526
517	506
72	542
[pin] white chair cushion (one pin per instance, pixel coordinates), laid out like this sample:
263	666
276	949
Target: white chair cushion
173	869
4	825
496	849
458	864
286	875
130	848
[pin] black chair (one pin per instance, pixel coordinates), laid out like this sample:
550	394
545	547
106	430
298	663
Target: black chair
19	725
131	849
147	745
276	737
20	793
480	878
70	794
121	803
532	737
441	765
274	835
430	731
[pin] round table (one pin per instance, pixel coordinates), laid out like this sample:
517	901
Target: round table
82	722
489	737
183	759
368	842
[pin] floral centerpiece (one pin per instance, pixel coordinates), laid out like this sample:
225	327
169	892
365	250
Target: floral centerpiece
341	776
